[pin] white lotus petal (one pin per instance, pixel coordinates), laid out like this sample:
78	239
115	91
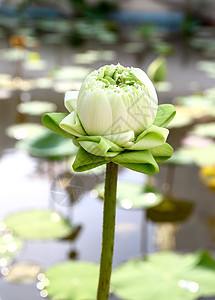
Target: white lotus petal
119	114
95	113
143	77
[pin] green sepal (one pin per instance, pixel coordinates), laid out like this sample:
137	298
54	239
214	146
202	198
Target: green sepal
52	121
165	114
99	146
140	161
162	153
153	136
85	161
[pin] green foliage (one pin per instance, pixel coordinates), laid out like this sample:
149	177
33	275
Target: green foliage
39	224
133	195
166	275
72	280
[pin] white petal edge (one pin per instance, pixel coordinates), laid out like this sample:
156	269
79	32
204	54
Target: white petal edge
72	124
143	77
70	100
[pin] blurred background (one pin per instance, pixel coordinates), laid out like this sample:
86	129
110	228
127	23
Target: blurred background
50	216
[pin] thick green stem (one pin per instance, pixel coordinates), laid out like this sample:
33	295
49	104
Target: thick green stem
108	231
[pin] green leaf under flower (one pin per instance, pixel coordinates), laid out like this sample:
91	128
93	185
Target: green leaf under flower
140	161
165	114
140	155
52	121
85	161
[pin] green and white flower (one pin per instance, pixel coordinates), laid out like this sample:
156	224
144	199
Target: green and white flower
115	117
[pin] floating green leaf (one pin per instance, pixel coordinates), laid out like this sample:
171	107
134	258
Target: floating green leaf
133	195
35	65
13	54
72	280
25	130
180	158
36	108
200	156
48	145
192	101
73	72
39	224
163	48
207	129
166	275
208	67
44	83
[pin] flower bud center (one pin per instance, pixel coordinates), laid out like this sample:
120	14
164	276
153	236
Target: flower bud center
116	79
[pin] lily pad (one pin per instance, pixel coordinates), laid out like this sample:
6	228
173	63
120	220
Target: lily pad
36	108
133	195
133	47
67	85
207	130
166	275
13	54
73	280
59	26
35	65
194	100
92	56
170	210
22	272
6	82
75	73
179	158
48	145
39	224
208	67
210	93
10	245
25	130
200	156
163	48
43	83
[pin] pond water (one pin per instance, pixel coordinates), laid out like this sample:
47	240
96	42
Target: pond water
26	182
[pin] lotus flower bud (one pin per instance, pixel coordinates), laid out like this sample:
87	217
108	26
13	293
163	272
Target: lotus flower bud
116	99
